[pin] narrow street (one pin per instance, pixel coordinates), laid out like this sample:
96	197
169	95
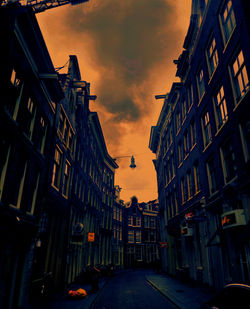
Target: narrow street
131	290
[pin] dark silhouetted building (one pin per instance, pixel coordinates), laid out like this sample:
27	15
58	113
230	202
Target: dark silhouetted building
201	142
141	233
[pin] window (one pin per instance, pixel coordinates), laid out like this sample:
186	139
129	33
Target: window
200	83
192	133
130	220
131	236
14	177
182	192
40	132
138	236
244	128
65	184
212	56
65	130
4	159
196	178
30	189
172	166
211	173
152	222
190	98
14	79
178	121
26	116
146	222
227	19
184	109
220	108
138	254
138	221
239	76
61	123
186	143
180	152
152	236
12	105
56	176
175	202
228	161
189	185
206	129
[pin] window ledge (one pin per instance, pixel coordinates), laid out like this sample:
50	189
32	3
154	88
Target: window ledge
207	146
212	193
221	127
241	99
200	100
230	181
212	75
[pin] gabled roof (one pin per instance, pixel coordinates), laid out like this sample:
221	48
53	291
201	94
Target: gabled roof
97	130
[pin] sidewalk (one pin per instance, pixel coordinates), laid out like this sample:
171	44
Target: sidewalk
61	300
183	295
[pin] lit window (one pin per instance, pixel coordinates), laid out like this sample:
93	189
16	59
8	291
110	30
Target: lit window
131	237
239	76
200	83
138	221
206	128
212	56
227	20
220	108
130	220
14	79
138	236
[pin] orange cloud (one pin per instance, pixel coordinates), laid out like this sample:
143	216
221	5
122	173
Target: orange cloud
126	51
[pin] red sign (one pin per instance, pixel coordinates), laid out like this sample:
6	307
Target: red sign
91	237
163	244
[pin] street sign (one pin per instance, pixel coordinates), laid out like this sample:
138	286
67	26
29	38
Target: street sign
91	237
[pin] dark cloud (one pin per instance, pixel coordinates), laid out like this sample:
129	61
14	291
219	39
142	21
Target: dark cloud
130	39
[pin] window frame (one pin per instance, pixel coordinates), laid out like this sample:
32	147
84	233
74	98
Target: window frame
220	107
237	92
224	28
212	57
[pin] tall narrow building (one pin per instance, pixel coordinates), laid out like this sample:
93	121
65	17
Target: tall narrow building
201	142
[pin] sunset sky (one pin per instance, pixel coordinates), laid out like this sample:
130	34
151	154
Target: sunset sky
125	50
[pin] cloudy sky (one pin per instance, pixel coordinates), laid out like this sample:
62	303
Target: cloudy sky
125	50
